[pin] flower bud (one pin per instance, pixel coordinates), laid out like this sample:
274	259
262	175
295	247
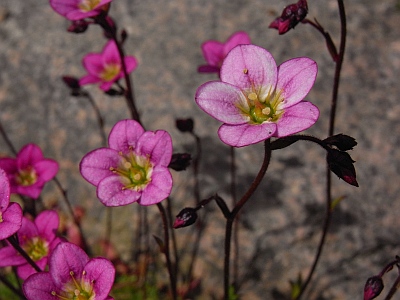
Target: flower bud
341	141
73	84
373	287
186	217
185	125
180	161
78	26
341	164
291	16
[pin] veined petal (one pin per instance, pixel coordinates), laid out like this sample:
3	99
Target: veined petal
157	145
96	164
159	188
213	52
47	223
4	191
10	257
223	102
295	79
238	38
297	118
101	272
245	134
28	156
46	169
40	286
12	220
124	135
66	258
111	193
249	67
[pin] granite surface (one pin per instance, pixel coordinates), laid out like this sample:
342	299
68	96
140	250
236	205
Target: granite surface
280	226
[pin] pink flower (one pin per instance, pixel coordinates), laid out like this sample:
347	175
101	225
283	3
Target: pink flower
215	52
38	239
72	275
78	9
133	169
10	214
292	15
29	171
105	67
256	100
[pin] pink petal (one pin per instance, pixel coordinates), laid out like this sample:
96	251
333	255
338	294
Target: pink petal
33	191
65	258
110	54
246	134
12	220
47	223
28	156
46	169
64	7
101	272
238	38
40	286
249	67
222	101
124	135
158	189
297	118
95	165
26	270
9	165
213	52
4	191
106	85
208	69
295	79
10	257
130	63
89	79
157	145
93	63
111	193
28	231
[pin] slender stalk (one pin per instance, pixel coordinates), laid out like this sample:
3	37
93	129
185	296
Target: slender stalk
393	289
236	223
172	275
7	140
173	237
13	241
235	211
335	92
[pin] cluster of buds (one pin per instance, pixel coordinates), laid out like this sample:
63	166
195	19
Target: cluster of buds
292	15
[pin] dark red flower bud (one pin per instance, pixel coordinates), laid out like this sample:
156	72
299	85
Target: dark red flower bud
341	164
180	161
341	141
373	287
78	26
185	125
292	15
71	82
114	92
186	217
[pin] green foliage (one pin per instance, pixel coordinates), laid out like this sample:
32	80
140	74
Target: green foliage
126	288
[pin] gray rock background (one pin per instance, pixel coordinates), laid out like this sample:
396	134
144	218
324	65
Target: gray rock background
280	226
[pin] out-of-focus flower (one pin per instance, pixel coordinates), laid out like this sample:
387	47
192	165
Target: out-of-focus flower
79	9
37	239
256	100
72	275
341	163
133	169
105	68
214	52
10	213
185	125
292	15
180	161
29	171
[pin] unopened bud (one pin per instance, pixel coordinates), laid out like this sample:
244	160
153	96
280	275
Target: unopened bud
341	164
186	217
185	125
291	16
373	287
341	141
78	26
180	161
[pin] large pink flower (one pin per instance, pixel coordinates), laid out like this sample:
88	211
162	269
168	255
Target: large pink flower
78	9
10	214
72	275
256	100
29	171
38	239
214	52
133	169
105	68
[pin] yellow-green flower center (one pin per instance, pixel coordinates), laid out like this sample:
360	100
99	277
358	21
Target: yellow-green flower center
88	5
36	248
77	289
1	217
135	171
263	106
26	177
110	71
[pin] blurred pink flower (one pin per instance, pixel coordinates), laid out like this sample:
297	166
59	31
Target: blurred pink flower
29	171
72	275
215	52
10	213
78	9
133	169
105	67
37	239
256	100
